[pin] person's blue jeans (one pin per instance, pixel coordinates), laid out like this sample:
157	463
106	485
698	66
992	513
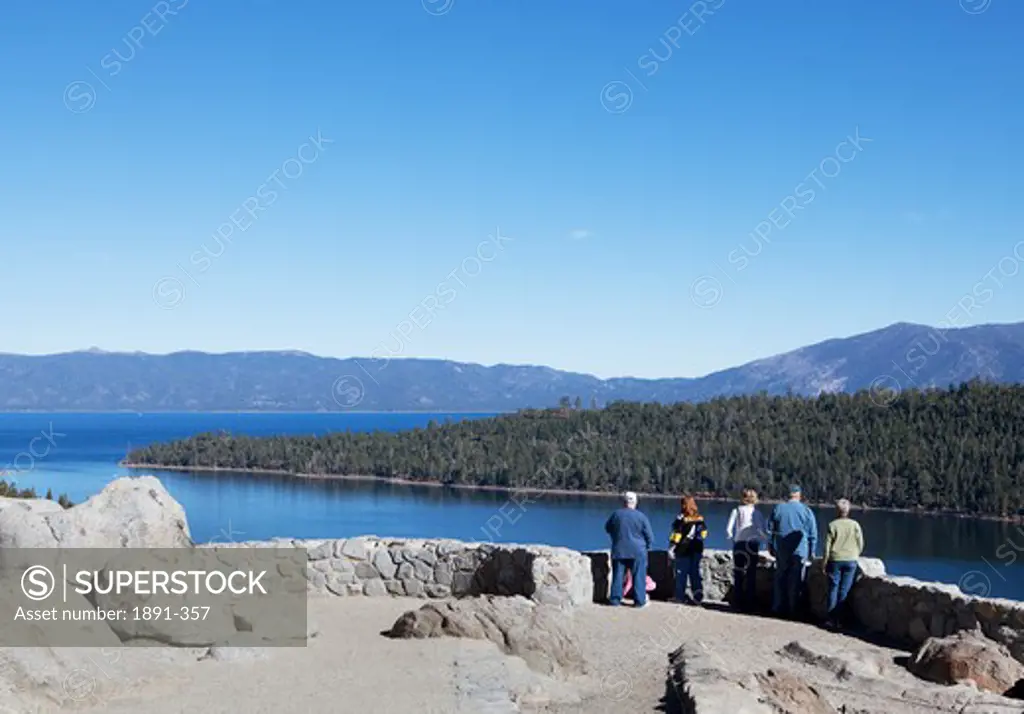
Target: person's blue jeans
687	567
789	577
744	574
841	574
638	569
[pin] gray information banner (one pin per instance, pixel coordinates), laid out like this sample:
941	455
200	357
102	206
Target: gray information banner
187	597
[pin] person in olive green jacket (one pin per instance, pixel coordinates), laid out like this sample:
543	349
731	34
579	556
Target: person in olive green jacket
843	546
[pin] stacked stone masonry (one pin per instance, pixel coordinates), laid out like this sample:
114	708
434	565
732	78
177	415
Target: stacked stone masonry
374	566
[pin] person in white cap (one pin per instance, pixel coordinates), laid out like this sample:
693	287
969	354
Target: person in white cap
632	537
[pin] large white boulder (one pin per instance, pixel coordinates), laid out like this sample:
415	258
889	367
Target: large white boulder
44	679
32	504
41	633
871	567
127	513
23	524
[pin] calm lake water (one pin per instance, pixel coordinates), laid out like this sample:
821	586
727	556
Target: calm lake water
78	453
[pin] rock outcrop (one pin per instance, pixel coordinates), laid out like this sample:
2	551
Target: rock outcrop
540	634
37	679
127	513
967	656
42	633
789	693
846	666
23	522
489	682
822	674
700	685
39	505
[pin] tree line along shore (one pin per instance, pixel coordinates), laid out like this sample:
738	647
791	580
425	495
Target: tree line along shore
9	489
956	450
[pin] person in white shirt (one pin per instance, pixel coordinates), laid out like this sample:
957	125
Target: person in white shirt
747	531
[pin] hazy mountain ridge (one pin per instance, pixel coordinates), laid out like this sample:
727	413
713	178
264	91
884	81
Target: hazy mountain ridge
898	357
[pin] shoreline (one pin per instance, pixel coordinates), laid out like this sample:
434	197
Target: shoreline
400	481
251	411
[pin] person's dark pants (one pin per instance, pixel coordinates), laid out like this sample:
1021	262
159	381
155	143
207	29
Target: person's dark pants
744	574
841	574
789	579
638	569
687	567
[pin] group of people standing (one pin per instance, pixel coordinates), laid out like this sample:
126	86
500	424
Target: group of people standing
790	535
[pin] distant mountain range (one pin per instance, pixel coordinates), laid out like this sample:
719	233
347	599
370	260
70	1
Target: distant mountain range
900	356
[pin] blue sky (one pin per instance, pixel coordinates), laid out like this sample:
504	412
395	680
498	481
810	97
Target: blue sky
628	155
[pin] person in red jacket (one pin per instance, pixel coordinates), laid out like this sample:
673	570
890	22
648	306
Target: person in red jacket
686	548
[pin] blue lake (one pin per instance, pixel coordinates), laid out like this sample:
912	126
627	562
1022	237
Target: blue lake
78	453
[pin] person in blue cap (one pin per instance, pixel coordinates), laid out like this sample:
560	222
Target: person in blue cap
794	538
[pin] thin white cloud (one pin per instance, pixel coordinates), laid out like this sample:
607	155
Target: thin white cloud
580	234
914	218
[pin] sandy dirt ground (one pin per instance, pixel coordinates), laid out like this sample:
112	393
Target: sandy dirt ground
350	667
347	667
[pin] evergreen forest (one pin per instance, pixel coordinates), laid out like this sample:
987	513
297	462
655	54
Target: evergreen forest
959	449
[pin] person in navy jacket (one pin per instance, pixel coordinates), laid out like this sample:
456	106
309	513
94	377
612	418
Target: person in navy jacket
632	537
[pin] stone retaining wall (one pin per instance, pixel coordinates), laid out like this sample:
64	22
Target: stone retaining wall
374	566
910	611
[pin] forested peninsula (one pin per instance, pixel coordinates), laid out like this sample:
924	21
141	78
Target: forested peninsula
956	450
